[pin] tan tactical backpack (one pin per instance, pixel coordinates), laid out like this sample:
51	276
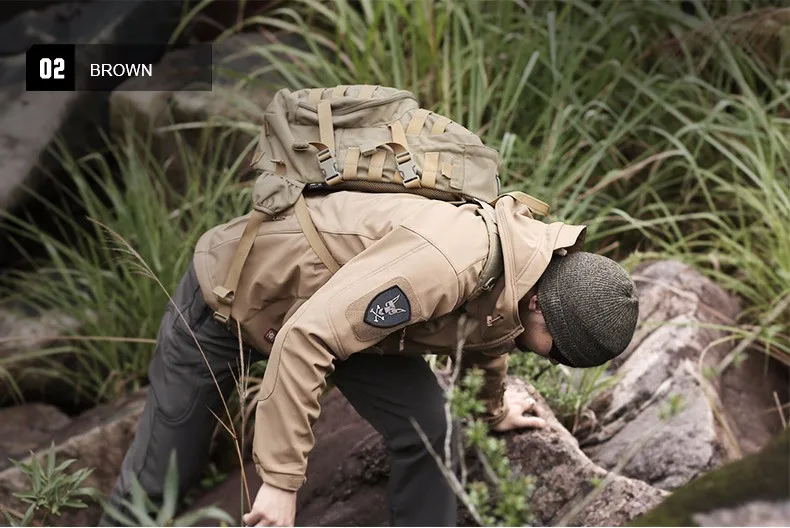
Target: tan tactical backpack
372	139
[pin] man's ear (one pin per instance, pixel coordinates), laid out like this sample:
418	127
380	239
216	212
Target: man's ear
533	304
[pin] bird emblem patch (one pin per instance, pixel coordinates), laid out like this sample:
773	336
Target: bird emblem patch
389	308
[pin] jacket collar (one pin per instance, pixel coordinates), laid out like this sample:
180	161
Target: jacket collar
527	248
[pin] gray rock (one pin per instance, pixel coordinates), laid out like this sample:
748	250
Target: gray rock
663	369
99	440
348	471
27	428
758	513
669	288
22	337
665	450
31	121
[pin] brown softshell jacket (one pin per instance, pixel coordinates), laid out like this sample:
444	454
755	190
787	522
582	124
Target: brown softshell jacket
292	308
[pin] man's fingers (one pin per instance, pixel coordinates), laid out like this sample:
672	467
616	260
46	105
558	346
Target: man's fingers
523	404
529	422
251	519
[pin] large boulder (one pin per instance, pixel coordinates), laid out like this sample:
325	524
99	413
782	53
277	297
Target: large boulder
22	336
348	472
752	491
30	122
97	439
26	428
665	400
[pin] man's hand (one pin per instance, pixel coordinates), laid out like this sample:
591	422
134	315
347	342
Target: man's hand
518	404
272	507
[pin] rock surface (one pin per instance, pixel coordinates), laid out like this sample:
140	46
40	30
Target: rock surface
761	513
347	475
31	121
97	439
21	336
752	491
28	427
663	403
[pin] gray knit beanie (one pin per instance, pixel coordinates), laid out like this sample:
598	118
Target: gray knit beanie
590	306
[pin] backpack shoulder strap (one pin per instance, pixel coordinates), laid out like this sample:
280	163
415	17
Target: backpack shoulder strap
494	265
313	236
226	293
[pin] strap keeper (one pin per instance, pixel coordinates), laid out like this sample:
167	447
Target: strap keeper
224	295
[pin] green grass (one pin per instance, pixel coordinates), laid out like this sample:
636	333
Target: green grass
87	275
665	130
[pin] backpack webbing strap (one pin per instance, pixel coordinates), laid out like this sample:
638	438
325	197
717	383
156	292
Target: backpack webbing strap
417	122
339	91
494	264
352	164
314	95
225	294
430	169
366	92
440	125
398	134
325	129
535	205
313	236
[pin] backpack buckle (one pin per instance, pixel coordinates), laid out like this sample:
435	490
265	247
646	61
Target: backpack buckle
328	166
408	170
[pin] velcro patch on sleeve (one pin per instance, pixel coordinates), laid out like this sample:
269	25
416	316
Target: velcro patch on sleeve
383	310
389	308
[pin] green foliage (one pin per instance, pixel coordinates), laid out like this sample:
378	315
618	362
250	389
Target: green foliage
52	489
662	125
140	510
89	277
758	477
569	392
508	505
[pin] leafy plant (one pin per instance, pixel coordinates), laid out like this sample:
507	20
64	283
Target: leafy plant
52	489
140	510
569	392
116	311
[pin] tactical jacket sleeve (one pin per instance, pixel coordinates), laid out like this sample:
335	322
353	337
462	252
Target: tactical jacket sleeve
400	280
494	368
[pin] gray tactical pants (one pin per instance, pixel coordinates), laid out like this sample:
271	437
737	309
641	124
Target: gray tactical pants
385	390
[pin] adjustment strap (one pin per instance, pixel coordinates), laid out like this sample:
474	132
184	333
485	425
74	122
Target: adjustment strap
313	236
351	165
339	91
398	135
376	167
430	169
314	95
440	125
417	122
536	206
325	129
225	294
366	92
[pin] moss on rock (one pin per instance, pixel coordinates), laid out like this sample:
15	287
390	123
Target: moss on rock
764	476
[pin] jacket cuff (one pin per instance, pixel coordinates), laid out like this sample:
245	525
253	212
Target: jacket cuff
493	420
284	481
